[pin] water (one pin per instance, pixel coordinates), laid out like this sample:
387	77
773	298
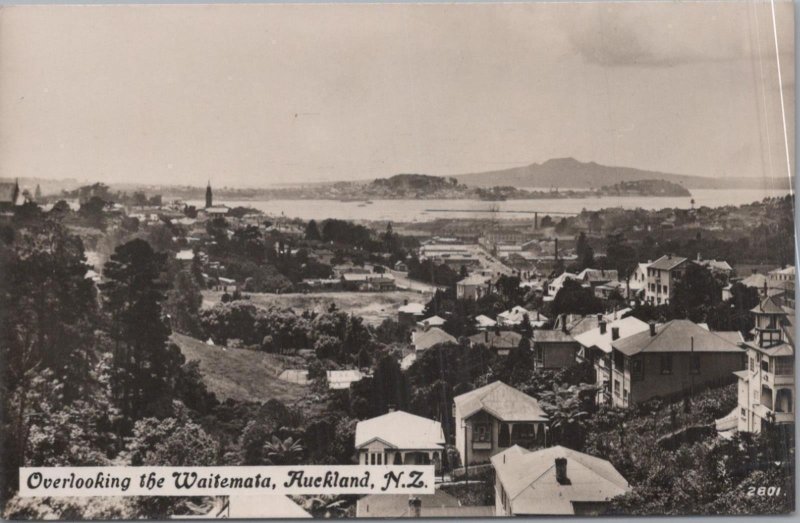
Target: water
420	210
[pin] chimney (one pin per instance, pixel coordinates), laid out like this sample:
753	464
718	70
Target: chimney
405	302
486	336
415	507
698	256
652	328
561	471
564	323
602	327
614	333
599	317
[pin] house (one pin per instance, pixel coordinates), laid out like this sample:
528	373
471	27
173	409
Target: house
401	266
423	340
216	211
555	285
718	267
473	287
399	438
766	386
516	315
437	505
433	321
554	349
554	481
638	280
410	313
499	341
781	282
496	417
185	256
483	322
672	359
595	277
662	275
342	379
610	289
596	348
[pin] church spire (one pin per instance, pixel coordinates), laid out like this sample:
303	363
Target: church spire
209	195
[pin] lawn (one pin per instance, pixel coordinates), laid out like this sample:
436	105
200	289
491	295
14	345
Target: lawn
374	307
240	374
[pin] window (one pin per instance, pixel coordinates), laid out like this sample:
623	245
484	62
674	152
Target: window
637	369
765	365
752	365
619	361
617	388
694	367
743	412
482	433
664	287
784	366
666	364
372	459
379	459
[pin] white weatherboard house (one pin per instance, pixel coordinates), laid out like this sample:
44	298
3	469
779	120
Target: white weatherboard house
554	481
399	438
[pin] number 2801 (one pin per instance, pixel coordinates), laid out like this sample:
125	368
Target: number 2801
764	491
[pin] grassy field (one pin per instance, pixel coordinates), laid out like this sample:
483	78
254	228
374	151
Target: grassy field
374	307
240	374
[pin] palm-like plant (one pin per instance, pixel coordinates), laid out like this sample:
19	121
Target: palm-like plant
284	452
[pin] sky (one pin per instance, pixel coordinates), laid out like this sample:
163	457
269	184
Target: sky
253	95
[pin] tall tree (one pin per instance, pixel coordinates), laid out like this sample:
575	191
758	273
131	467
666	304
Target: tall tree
146	363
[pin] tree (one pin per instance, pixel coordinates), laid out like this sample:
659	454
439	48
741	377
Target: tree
183	304
573	298
146	363
695	293
283	452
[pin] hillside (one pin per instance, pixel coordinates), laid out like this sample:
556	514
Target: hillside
569	172
241	374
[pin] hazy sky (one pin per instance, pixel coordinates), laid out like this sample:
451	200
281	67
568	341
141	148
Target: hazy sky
260	94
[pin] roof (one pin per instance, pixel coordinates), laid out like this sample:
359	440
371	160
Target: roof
434	321
513	315
475	279
781	349
676	336
485	321
412	308
627	327
341	379
497	340
552	336
598	275
667	262
755	280
768	306
401	430
501	401
529	480
185	255
433	336
559	280
785	270
396	505
718	265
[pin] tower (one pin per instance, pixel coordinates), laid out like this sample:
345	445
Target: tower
209	196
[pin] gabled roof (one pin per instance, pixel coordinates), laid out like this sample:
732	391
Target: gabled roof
768	306
475	279
412	308
552	336
433	321
513	315
429	338
627	327
501	401
598	275
676	336
401	430
561	278
529	480
497	340
756	280
484	321
667	262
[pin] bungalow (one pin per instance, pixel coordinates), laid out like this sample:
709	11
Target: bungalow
367	282
410	313
720	267
433	321
609	289
501	342
484	322
670	360
473	287
595	277
399	438
555	285
516	315
401	266
495	417
554	481
424	340
342	379
554	349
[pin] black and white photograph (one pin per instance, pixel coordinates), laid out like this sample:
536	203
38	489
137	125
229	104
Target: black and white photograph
397	260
